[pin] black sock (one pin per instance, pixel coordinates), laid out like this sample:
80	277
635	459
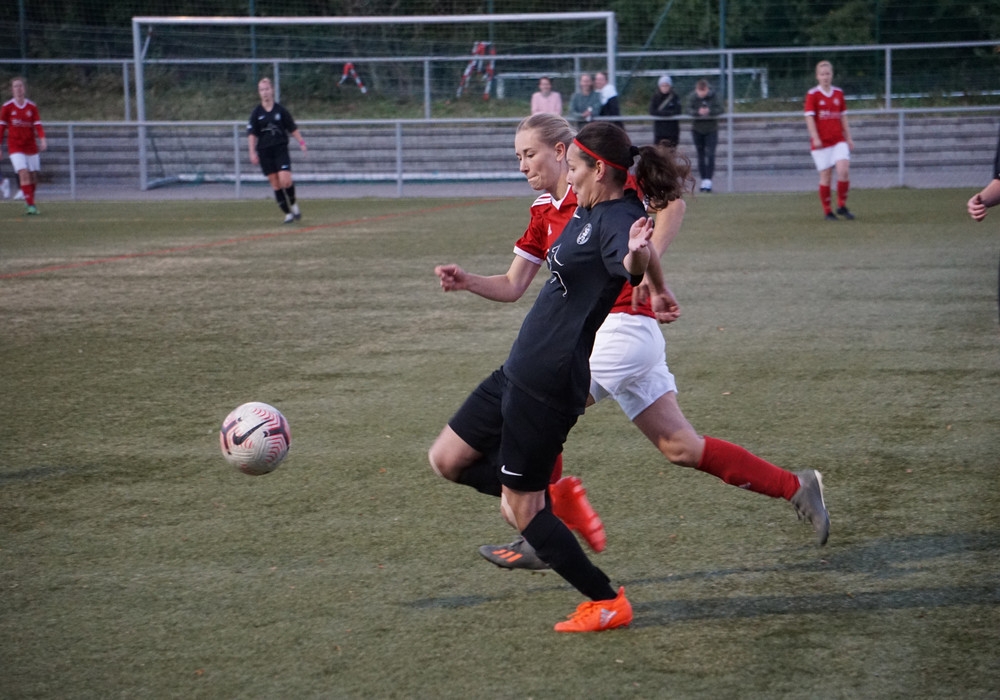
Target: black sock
282	202
290	191
556	546
482	476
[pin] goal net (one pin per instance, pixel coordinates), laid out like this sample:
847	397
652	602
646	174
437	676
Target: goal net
200	69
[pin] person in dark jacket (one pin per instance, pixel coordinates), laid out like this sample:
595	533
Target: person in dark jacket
665	103
703	105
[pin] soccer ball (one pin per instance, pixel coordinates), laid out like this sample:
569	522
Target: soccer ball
255	438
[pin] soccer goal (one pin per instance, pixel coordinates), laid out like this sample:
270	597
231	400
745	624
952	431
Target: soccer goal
418	59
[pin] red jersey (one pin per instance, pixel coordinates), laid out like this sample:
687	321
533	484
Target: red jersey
22	122
548	219
827	109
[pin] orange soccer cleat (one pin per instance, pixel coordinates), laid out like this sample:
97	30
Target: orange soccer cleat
598	615
570	504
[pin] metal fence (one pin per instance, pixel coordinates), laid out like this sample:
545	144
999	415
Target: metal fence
761	80
933	147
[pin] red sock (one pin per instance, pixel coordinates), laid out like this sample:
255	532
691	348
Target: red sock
842	187
824	198
29	194
739	467
556	470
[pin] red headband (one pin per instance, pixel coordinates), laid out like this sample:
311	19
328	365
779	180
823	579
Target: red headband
597	157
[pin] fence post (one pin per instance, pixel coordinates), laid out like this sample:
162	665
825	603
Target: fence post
72	164
730	106
236	157
888	77
125	85
399	159
901	140
427	89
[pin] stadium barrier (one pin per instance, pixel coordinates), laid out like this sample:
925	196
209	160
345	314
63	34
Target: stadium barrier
757	152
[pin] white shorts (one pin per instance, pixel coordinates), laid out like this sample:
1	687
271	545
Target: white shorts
826	158
629	363
20	161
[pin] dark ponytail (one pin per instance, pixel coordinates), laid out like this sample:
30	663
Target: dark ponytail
663	174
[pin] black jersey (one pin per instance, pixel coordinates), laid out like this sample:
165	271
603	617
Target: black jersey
550	358
271	128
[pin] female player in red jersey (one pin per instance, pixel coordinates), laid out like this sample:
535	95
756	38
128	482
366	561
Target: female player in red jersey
830	139
19	118
628	362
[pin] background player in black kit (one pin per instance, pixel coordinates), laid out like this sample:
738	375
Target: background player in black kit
267	131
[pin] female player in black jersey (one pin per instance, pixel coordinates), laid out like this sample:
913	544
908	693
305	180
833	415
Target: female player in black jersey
267	131
512	427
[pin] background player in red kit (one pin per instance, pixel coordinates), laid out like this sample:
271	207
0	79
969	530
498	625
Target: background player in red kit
19	119
830	139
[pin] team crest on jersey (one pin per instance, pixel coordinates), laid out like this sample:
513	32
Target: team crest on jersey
584	235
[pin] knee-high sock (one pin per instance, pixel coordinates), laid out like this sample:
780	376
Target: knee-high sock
738	466
842	187
824	198
557	546
282	201
290	193
29	193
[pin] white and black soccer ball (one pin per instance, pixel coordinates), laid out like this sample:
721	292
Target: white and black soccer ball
255	438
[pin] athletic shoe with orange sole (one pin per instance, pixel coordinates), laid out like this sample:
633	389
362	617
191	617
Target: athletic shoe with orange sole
598	615
570	504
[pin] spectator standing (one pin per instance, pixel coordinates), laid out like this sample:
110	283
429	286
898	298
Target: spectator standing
267	133
704	107
830	139
20	120
665	105
546	100
585	104
988	197
610	107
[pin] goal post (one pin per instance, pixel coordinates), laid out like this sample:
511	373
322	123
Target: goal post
407	44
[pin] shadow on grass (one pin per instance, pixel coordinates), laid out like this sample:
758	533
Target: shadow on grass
673	611
882	559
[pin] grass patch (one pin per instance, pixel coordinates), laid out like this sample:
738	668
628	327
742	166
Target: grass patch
135	562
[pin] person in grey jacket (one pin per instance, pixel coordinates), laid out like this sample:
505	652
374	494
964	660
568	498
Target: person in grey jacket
703	105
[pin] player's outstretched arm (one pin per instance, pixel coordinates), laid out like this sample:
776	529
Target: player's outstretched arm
508	287
654	286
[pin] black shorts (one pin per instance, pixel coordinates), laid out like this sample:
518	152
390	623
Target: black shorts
499	417
274	159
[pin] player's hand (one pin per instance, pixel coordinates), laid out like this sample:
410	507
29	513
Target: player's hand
814	140
453	278
639	234
977	210
254	159
665	306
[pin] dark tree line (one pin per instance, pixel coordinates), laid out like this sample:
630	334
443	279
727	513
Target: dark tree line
99	28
